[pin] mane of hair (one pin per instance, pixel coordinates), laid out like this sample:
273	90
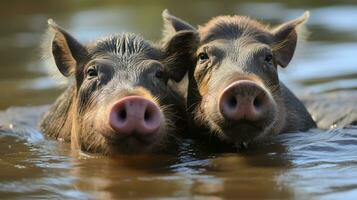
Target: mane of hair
124	45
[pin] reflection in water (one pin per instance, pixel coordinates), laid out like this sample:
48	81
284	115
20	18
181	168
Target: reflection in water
315	164
303	165
324	163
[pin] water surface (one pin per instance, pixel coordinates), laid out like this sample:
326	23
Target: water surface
319	164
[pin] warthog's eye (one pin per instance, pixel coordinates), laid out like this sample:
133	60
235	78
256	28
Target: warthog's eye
92	72
268	58
161	75
202	57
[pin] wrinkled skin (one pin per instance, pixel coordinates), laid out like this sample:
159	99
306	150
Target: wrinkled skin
100	75
241	56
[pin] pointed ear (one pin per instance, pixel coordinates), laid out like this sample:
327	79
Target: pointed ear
179	53
179	42
66	50
285	39
175	24
172	25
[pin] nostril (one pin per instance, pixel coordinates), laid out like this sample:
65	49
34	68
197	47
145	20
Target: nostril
257	102
147	115
232	102
122	114
152	119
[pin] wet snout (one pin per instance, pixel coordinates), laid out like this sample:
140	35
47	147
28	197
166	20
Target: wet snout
244	100
135	114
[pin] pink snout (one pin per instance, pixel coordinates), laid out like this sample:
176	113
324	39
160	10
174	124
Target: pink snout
135	114
244	100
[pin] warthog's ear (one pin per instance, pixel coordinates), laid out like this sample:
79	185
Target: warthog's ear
179	43
179	53
173	24
285	39
66	50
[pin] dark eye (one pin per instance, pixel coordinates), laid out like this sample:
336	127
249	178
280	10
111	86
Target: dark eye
202	57
92	72
268	58
160	74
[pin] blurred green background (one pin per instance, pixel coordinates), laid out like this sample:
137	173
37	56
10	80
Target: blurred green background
327	62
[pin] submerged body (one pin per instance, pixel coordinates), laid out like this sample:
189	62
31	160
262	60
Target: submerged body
324	158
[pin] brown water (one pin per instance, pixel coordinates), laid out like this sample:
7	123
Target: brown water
313	165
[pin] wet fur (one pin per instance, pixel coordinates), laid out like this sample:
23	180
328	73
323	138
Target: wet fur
204	86
78	114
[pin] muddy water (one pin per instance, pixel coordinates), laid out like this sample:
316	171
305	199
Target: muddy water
319	164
